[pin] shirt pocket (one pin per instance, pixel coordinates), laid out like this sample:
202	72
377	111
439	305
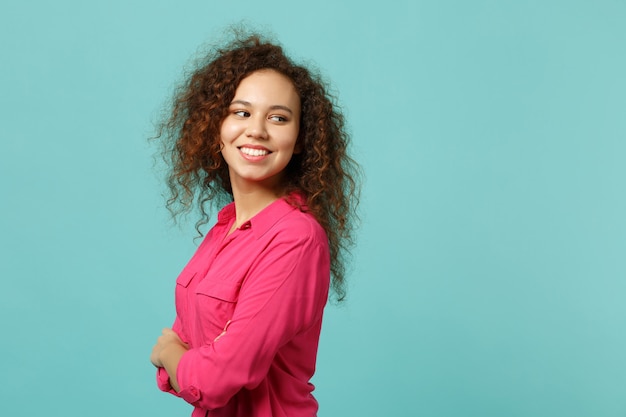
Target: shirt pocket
215	305
182	294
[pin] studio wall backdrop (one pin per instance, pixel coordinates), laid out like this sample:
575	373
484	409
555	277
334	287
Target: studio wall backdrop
490	274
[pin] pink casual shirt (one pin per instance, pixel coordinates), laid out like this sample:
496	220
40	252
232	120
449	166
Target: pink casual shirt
250	307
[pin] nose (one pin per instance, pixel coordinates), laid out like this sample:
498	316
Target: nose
256	128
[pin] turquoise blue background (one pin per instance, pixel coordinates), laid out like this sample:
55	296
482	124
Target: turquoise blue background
490	274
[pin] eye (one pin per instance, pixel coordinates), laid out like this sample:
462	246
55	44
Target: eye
278	118
241	113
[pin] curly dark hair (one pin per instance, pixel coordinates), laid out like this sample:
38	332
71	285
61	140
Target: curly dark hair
323	171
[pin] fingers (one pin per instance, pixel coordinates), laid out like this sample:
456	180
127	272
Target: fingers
170	336
167	338
162	340
154	356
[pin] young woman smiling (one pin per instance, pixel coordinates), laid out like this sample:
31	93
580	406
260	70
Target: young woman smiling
256	131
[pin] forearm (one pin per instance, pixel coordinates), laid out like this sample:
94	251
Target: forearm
170	357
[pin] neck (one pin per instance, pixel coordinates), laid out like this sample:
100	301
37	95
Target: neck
249	201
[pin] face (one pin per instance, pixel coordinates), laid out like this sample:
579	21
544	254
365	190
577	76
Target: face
259	134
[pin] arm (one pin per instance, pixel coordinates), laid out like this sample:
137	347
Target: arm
167	353
283	295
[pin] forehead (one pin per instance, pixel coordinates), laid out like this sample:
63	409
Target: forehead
268	87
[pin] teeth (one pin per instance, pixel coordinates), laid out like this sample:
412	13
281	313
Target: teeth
254	152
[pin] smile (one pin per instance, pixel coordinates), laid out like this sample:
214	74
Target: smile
254	152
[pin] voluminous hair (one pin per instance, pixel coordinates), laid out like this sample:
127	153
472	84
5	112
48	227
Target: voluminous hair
323	171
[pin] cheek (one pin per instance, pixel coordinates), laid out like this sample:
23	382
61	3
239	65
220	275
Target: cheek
291	137
297	148
229	131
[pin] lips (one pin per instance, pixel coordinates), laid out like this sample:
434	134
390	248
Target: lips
254	151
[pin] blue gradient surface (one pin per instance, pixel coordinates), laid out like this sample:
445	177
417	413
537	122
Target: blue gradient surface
490	274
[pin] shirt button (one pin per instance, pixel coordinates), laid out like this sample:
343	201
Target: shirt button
190	394
246	226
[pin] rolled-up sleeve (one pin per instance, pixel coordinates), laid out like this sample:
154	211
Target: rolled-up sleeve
162	377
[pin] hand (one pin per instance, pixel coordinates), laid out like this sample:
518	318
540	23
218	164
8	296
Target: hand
168	340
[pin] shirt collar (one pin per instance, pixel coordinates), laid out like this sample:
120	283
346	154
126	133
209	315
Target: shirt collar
267	217
226	213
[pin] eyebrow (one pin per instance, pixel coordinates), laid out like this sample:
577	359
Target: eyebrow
274	107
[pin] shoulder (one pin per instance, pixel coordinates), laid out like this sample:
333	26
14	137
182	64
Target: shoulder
288	220
301	225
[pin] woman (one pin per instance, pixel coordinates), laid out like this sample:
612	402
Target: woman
252	127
